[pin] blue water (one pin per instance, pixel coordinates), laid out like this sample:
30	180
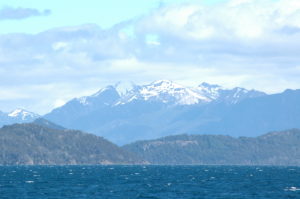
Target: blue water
211	182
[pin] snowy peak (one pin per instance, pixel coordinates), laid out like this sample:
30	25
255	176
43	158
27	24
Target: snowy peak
211	91
160	87
22	114
205	85
105	96
164	84
167	92
104	91
238	94
164	91
123	87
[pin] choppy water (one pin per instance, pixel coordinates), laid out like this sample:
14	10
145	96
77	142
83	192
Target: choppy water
211	182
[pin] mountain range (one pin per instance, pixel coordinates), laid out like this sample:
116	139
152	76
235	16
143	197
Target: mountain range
275	148
145	111
124	114
44	143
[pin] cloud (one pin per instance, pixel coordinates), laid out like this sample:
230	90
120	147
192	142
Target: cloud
249	43
10	13
242	23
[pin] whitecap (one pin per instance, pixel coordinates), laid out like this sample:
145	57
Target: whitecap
29	181
292	189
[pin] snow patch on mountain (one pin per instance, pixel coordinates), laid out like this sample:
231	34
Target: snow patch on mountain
105	96
83	100
167	92
211	91
22	114
164	91
123	87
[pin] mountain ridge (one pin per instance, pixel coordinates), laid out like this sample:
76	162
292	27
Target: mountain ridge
274	148
35	144
167	91
163	107
121	117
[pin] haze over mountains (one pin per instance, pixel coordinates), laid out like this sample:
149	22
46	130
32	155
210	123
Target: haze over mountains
163	108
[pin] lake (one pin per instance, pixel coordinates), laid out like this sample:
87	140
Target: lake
161	182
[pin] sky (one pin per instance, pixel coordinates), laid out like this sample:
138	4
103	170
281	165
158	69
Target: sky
53	51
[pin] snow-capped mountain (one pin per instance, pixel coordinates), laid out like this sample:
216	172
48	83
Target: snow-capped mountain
17	116
23	115
238	94
167	92
163	108
211	91
105	96
146	111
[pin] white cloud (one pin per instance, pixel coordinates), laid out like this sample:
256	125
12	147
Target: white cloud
60	46
9	13
234	20
253	43
59	103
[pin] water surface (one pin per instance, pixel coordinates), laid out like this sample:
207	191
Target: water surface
161	182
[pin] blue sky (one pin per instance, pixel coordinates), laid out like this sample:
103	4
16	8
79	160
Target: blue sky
70	13
53	51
